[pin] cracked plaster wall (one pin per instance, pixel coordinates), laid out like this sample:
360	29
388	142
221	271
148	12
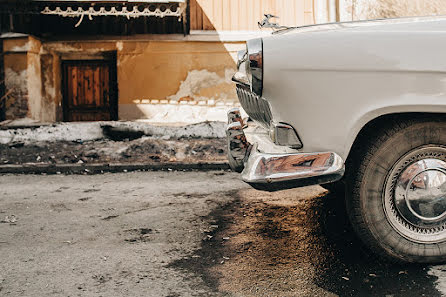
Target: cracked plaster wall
149	73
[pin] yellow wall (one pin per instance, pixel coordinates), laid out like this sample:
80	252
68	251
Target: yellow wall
148	72
155	69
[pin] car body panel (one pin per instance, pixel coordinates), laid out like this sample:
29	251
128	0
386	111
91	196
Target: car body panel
330	81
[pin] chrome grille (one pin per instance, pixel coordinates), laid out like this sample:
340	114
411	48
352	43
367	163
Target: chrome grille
256	107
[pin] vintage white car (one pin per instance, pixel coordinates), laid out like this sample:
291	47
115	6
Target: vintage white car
359	106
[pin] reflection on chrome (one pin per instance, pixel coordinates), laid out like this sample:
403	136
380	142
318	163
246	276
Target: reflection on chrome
270	168
255	65
420	195
234	115
237	144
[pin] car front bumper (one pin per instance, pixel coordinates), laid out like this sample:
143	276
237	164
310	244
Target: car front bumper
267	166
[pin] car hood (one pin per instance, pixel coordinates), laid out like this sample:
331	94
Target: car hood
429	23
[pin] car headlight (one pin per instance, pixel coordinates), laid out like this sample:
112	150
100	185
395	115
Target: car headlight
254	65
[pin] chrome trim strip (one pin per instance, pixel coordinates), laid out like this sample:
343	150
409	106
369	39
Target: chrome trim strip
242	57
255	65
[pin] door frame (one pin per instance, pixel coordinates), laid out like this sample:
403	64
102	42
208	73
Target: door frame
113	84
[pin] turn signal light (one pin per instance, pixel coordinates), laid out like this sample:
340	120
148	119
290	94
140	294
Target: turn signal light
285	135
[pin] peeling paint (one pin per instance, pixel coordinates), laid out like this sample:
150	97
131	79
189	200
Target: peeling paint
119	45
23	48
16	80
48	91
16	87
191	74
34	83
202	85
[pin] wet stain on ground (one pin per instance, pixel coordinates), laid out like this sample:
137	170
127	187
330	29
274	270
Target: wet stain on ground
274	244
211	252
350	269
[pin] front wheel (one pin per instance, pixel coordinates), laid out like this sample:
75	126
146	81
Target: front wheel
396	191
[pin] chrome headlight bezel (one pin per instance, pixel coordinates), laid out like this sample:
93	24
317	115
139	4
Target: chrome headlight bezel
254	65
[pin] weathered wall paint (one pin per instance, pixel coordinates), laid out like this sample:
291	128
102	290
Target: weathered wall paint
34	79
161	72
149	72
155	69
15	67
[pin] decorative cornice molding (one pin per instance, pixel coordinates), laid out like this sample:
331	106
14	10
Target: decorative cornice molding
161	10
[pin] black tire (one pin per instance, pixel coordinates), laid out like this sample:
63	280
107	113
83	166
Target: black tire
376	168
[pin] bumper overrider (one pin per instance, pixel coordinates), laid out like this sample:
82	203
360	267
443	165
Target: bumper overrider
277	171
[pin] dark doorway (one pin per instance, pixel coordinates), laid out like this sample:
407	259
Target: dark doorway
89	91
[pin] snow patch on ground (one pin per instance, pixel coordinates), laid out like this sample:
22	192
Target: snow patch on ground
440	272
94	131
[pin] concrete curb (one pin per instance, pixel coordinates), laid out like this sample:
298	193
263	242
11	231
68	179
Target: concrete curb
101	168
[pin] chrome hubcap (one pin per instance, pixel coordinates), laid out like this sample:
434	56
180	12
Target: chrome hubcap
415	195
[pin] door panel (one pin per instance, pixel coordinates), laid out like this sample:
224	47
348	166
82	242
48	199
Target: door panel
87	91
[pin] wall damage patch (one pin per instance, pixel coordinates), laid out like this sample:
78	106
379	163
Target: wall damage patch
16	94
201	85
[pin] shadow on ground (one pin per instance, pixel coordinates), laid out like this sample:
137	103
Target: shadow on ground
296	243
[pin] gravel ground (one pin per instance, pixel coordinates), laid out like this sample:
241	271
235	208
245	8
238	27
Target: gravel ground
186	234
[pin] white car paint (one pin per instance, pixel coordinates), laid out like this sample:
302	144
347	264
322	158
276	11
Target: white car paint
329	81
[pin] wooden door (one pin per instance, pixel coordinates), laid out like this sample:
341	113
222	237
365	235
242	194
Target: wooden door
88	94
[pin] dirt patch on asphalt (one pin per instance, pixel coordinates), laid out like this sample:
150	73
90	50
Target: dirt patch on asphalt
296	243
143	150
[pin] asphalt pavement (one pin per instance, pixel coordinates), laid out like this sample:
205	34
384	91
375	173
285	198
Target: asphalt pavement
190	233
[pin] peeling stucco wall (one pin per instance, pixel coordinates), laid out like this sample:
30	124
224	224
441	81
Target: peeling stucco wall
150	70
16	75
21	48
202	85
17	94
372	9
156	79
34	81
48	103
163	81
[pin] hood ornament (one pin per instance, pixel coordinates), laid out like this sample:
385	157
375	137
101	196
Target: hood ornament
266	24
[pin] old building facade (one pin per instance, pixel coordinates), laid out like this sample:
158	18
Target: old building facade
160	61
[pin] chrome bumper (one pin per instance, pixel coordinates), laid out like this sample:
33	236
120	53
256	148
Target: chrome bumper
278	170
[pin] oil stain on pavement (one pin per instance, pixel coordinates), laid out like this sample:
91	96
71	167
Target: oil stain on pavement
298	243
